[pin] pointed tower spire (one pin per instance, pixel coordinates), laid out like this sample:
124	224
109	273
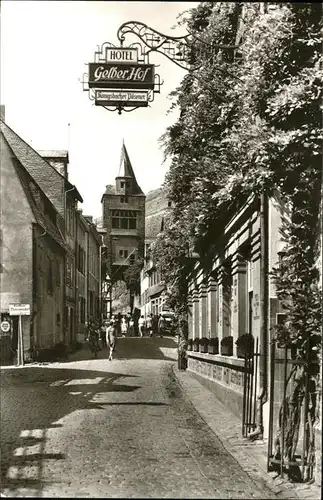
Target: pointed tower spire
126	170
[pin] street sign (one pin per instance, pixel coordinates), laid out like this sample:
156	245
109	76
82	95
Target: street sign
19	309
121	55
5	326
126	97
116	76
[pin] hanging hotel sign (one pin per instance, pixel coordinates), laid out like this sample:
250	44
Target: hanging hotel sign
121	78
128	97
125	76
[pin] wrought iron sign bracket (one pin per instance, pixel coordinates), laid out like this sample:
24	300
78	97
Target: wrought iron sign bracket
175	48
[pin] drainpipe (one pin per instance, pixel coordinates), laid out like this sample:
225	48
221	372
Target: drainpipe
263	379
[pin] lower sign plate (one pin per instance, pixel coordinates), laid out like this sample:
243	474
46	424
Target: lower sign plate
124	97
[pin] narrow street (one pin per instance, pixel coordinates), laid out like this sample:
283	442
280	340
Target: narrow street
94	428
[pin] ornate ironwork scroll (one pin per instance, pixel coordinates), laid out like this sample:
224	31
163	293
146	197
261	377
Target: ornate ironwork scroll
176	48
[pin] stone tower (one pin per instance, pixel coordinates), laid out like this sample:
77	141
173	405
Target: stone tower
123	218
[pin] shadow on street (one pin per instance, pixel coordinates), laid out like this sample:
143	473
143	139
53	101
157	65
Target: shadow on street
33	399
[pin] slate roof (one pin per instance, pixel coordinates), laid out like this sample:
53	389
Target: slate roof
126	170
50	181
40	217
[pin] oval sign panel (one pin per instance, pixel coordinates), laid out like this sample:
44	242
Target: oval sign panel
5	326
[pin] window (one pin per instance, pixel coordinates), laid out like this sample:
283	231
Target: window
122	185
122	199
124	219
123	253
69	273
81	259
82	309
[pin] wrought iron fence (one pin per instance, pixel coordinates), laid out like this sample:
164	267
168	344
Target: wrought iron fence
250	390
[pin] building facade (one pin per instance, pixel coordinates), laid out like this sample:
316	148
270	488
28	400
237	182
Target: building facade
123	220
231	294
32	252
70	197
151	285
88	273
50	254
235	296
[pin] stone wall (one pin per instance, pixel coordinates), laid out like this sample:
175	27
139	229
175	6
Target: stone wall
222	375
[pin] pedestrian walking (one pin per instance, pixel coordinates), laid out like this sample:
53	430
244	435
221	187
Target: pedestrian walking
93	338
155	324
124	327
131	327
141	324
149	325
161	325
103	334
111	338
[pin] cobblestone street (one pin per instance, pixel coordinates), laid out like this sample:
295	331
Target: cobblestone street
94	428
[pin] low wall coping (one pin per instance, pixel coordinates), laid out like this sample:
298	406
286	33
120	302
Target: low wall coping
217	358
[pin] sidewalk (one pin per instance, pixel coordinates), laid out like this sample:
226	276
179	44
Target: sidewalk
252	456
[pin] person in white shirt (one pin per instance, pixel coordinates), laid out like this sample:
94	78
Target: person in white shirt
111	338
141	324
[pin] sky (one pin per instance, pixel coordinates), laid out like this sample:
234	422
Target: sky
45	49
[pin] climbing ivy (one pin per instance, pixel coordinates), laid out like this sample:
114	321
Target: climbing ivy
250	123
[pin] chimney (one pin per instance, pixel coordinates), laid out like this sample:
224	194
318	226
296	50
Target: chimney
3	112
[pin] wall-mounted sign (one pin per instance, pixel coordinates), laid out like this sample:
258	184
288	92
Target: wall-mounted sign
127	76
19	309
121	55
126	97
5	326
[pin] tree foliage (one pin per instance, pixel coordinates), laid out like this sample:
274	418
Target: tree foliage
250	122
132	276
